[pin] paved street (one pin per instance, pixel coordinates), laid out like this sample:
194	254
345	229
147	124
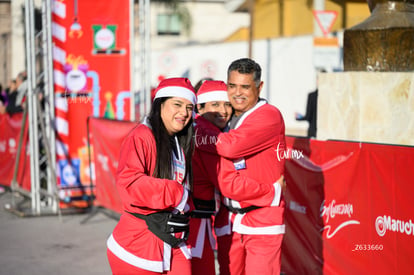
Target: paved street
70	244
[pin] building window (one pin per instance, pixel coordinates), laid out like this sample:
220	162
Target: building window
168	24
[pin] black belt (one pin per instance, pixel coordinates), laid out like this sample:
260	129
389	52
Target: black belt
203	208
163	224
242	210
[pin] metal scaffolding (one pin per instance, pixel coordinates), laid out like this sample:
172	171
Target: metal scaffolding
39	114
144	54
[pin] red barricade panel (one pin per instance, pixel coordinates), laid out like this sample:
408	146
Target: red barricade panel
10	127
106	137
348	208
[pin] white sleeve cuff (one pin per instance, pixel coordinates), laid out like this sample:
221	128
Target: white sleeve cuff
181	205
278	193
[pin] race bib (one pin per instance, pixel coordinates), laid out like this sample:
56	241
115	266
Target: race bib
239	164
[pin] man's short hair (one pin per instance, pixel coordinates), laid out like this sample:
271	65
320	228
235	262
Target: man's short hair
246	66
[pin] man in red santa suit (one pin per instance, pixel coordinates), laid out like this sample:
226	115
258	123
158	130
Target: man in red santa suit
252	150
153	181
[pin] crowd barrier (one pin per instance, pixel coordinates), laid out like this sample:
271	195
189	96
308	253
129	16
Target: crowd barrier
105	142
349	208
348	204
10	128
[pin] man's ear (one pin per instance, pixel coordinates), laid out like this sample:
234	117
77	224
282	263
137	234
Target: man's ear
260	87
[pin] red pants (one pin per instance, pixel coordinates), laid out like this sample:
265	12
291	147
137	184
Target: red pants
255	254
206	264
179	265
223	250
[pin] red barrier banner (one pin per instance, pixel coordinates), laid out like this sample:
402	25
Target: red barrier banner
106	137
9	141
348	204
349	208
91	60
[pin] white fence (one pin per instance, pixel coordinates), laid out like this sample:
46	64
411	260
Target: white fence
288	69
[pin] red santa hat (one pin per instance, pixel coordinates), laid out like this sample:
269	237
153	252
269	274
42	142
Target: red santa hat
176	87
212	90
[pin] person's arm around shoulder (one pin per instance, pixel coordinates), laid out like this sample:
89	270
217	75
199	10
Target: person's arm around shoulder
262	129
205	136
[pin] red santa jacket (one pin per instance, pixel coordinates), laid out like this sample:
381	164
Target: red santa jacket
131	241
256	147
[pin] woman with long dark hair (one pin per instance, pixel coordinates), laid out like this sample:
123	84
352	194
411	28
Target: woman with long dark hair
154	180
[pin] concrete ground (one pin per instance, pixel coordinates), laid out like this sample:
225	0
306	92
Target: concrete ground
69	244
53	244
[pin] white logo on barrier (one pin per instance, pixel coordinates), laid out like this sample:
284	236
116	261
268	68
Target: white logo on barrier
331	211
3	146
103	160
386	223
12	142
295	206
12	146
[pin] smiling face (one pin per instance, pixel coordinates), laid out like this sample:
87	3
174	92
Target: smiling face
242	91
217	112
176	112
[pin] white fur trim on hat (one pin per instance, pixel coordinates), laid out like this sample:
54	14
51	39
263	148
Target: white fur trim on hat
212	96
176	91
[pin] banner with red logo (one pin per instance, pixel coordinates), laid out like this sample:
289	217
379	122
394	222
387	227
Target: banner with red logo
9	143
106	137
348	208
91	58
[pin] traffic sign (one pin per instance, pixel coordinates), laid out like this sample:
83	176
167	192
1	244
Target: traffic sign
326	52
325	19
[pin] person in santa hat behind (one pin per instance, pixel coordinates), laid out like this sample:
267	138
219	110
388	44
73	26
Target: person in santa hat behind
153	181
214	111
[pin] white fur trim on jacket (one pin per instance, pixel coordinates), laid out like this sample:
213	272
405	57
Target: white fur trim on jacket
121	253
267	230
278	193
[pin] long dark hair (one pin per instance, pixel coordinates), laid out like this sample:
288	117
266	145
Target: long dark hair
163	166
